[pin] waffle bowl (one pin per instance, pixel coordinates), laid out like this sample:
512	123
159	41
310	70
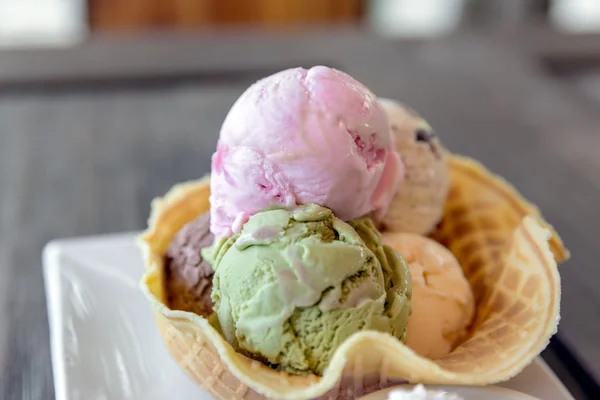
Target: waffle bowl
509	255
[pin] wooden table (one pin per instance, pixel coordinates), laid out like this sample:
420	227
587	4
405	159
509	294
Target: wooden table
89	135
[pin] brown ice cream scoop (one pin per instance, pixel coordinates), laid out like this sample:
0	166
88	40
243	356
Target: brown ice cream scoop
188	275
419	204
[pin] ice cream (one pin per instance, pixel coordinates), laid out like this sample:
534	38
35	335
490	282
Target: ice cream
303	136
294	284
188	276
419	204
442	300
419	392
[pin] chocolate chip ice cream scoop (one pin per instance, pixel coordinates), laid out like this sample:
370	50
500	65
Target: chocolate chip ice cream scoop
188	275
419	203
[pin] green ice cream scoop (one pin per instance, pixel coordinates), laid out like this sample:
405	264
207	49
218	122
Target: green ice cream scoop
293	285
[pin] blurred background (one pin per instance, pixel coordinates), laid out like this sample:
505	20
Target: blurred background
104	104
35	22
61	23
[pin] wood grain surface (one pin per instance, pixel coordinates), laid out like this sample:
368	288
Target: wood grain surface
132	15
88	136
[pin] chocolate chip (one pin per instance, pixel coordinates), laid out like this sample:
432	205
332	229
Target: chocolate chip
424	135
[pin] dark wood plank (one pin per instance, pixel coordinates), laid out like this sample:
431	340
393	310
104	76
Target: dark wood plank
86	164
79	158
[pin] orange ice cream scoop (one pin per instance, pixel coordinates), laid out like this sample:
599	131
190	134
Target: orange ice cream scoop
442	300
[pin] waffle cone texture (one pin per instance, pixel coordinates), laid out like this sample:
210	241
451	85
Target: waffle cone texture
508	253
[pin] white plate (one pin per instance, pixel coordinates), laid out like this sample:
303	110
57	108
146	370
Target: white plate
104	342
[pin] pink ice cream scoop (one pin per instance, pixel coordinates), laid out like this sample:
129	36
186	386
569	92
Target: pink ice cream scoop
303	136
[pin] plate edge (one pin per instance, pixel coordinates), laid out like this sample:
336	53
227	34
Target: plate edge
51	256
